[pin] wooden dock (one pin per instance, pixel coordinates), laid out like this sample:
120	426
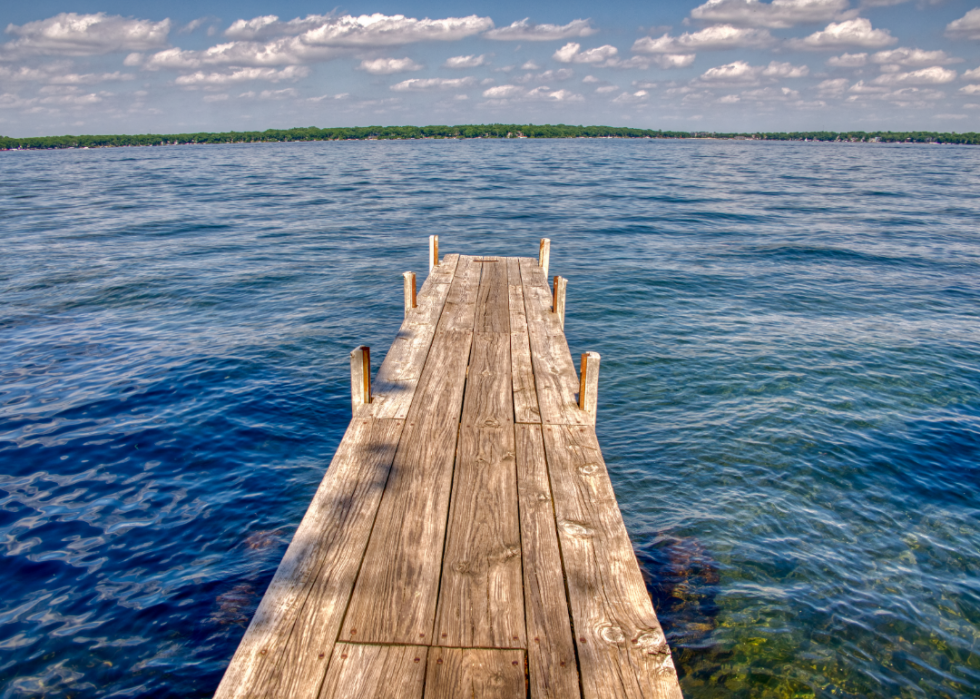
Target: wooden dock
466	540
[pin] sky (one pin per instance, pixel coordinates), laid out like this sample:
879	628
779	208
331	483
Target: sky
109	66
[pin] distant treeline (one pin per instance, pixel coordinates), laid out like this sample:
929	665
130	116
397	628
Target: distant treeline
362	133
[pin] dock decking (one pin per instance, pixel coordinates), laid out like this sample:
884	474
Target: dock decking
466	540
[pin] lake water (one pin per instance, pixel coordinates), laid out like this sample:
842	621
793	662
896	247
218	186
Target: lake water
789	403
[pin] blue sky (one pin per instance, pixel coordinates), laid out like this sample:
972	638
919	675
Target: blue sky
105	66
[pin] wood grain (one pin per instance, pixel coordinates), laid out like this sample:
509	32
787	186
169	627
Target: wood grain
489	398
522	372
621	648
460	305
394	600
554	373
481	603
552	667
475	673
298	618
394	385
492	309
375	672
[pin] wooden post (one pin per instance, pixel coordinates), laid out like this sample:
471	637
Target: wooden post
544	255
410	301
360	377
558	299
588	393
433	251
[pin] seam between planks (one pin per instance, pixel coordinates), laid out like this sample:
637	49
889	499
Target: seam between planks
374	519
554	513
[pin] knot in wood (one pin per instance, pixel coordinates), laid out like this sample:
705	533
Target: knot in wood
612	634
652	641
574	528
461	567
588	469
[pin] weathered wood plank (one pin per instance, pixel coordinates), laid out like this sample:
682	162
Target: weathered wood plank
489	397
554	372
481	603
360	671
394	600
458	313
475	673
394	385
493	311
621	648
552	669
285	649
522	372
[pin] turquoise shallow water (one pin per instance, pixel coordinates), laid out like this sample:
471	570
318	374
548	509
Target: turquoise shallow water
789	399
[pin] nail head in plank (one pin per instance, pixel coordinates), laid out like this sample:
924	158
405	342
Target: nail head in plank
455	673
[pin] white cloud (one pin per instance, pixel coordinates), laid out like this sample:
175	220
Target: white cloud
926	76
503	93
630	98
389	66
972	74
216	98
238	75
606	88
530	65
729	99
732	73
741	73
966	27
833	88
644	85
429	84
525	31
572	53
722	36
771	94
903	97
778	14
59	74
853	32
971	90
70	34
674	60
466	61
322	38
848	60
914	58
362	31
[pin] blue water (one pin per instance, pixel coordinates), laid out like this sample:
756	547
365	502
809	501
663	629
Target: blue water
789	400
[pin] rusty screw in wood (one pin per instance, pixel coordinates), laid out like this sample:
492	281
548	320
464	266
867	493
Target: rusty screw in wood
421	635
321	655
344	656
537	639
444	635
515	638
416	660
582	639
563	664
439	661
262	652
514	663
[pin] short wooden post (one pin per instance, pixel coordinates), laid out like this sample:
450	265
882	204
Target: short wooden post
558	299
410	301
544	255
433	251
360	377
588	393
